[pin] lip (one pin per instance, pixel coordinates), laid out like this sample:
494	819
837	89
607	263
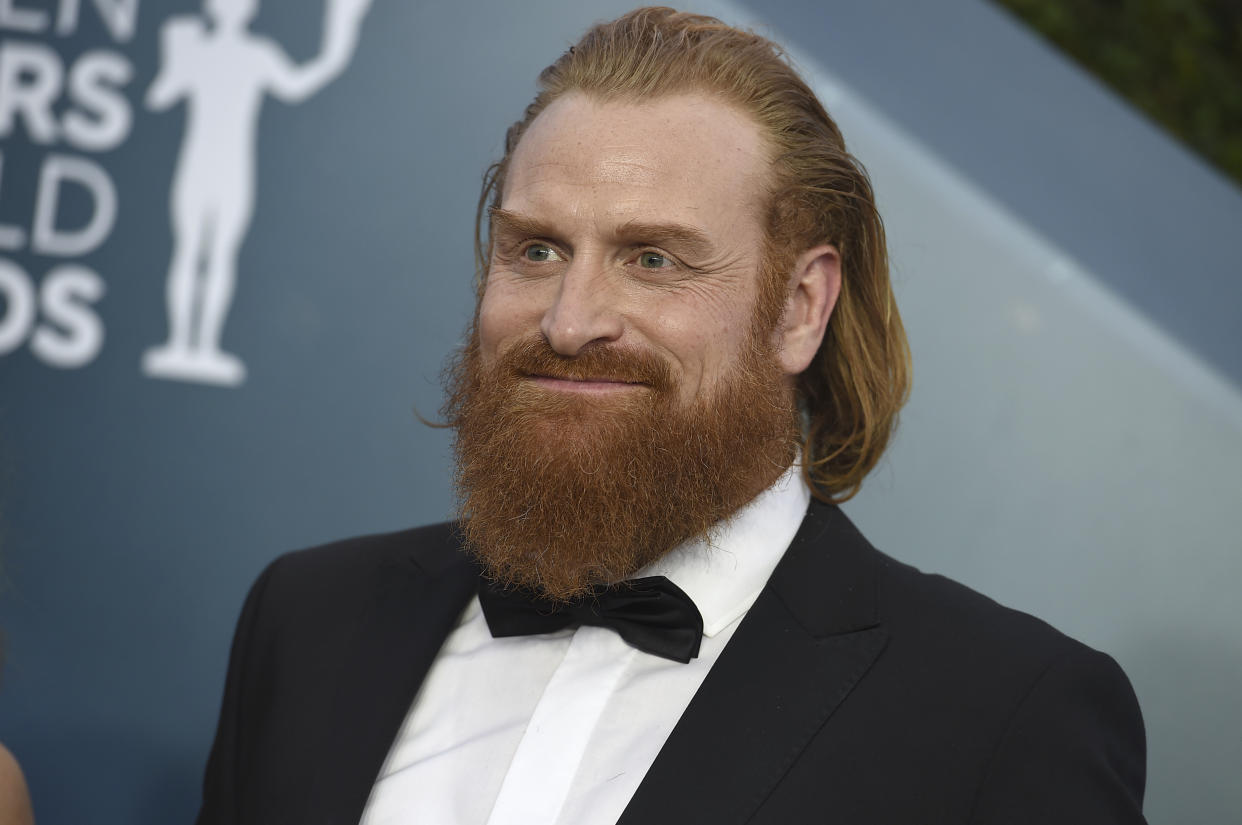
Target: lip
591	386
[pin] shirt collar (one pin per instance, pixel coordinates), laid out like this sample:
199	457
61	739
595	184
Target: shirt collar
724	570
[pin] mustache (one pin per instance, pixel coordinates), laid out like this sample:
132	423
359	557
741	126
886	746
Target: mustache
595	362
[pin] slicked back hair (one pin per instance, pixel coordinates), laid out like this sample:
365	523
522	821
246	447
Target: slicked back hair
817	193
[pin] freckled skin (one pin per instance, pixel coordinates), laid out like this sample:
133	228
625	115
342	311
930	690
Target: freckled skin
583	170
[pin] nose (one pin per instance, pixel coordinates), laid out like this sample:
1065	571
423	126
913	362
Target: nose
584	311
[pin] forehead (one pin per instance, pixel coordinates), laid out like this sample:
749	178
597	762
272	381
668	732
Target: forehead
686	158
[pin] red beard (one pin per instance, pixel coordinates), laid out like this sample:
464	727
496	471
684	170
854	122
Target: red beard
559	492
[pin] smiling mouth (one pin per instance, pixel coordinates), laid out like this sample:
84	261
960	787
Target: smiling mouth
591	384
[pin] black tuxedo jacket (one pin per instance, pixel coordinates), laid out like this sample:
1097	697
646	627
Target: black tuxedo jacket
856	690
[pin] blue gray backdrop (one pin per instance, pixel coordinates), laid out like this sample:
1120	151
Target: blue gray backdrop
1073	446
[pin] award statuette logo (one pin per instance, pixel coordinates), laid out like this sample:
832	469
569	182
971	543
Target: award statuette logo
224	72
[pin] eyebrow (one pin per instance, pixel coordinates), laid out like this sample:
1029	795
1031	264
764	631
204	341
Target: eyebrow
506	222
687	239
678	236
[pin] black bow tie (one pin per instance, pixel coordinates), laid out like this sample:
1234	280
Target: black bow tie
651	614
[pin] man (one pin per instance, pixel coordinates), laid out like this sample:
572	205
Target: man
685	348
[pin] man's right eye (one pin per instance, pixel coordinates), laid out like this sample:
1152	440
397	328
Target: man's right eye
540	253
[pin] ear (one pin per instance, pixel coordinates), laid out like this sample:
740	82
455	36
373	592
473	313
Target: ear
811	293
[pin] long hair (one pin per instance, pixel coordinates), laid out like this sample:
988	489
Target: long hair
818	193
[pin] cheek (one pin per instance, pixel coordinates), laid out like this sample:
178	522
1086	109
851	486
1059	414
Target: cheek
703	339
504	313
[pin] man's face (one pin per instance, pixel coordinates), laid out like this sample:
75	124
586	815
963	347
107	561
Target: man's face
634	227
624	389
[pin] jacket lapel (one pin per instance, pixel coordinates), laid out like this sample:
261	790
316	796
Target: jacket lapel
413	612
803	646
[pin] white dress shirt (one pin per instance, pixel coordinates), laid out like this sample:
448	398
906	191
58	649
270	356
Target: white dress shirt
560	728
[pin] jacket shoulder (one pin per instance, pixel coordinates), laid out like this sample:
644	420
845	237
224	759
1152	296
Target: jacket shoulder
950	619
988	713
837	581
1031	707
344	575
430	547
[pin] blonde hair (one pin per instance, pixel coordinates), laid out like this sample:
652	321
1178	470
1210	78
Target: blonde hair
819	193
